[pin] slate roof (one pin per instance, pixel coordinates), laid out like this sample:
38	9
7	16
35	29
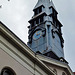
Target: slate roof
52	4
46	4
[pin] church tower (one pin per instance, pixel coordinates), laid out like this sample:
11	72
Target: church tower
45	35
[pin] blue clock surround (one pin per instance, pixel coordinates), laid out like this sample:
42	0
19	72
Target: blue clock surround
37	35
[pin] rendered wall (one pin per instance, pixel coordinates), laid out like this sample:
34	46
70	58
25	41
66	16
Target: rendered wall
11	57
58	69
8	61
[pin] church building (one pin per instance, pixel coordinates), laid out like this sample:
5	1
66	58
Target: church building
43	54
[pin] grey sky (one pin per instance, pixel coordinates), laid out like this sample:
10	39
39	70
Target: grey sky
16	13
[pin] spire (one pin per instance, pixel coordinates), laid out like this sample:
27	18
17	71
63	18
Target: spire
41	2
46	4
52	4
45	30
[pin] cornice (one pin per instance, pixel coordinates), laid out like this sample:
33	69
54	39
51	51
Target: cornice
36	16
8	33
12	38
55	62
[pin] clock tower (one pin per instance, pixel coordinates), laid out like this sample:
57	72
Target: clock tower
45	35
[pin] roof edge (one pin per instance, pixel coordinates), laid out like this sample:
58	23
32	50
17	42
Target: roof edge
26	49
55	62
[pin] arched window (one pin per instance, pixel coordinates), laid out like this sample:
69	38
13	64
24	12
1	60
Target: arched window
7	71
63	73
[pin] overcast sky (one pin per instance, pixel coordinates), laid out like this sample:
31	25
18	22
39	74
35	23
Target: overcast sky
16	13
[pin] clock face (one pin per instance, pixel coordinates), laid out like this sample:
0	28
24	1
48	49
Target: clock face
37	35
